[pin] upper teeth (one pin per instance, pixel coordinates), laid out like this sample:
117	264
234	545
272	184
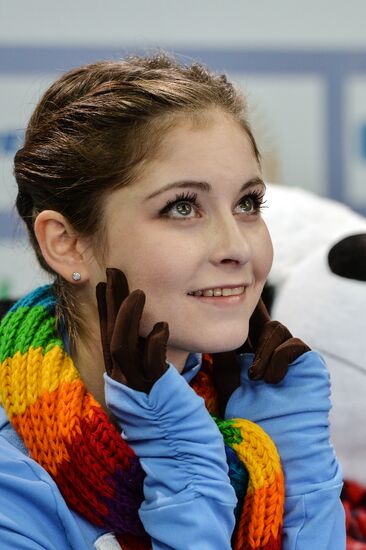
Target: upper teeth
219	292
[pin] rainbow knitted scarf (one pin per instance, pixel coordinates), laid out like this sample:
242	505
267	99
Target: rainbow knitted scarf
69	434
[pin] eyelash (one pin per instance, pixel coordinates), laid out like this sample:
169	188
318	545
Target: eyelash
257	197
191	198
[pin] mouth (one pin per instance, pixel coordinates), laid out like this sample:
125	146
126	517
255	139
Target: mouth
217	292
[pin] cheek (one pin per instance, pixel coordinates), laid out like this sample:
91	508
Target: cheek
163	278
263	253
157	263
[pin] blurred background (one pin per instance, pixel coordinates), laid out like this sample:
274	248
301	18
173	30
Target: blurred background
302	65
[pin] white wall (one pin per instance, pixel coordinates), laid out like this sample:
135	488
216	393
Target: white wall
175	23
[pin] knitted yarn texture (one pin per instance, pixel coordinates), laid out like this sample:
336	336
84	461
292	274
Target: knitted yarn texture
70	435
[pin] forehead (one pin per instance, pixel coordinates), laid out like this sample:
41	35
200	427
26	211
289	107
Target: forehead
217	151
215	146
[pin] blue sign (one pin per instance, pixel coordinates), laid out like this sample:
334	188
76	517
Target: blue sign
363	141
10	141
11	226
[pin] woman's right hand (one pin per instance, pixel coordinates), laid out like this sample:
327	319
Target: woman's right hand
129	359
169	428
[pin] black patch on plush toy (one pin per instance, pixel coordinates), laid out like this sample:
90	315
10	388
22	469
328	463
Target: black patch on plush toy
347	258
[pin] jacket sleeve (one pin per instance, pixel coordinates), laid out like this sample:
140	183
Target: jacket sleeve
33	515
295	414
189	502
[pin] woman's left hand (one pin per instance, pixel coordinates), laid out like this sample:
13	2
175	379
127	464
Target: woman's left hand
274	347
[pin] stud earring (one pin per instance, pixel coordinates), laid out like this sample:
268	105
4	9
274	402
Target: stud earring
76	276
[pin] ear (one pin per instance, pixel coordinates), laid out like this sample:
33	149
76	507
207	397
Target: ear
61	247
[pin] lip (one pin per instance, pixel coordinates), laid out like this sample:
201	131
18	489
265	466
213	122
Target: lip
236	285
222	301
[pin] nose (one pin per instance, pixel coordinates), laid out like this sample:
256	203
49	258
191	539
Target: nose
230	243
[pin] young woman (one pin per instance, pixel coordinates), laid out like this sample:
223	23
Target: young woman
140	185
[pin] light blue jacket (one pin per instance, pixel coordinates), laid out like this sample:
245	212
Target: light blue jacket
189	501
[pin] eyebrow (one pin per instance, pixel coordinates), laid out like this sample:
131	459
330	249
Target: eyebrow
202	186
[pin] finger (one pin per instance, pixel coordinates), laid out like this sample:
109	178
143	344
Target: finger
124	342
102	310
100	291
273	335
119	284
154	363
257	321
116	292
277	369
283	356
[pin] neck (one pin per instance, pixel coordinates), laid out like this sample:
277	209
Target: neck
87	352
177	357
88	359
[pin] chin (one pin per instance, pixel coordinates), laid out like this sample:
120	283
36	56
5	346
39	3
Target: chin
220	344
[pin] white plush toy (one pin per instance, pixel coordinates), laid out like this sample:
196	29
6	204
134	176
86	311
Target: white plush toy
301	222
319	275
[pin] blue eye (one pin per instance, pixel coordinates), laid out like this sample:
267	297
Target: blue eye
251	203
183	206
247	205
186	206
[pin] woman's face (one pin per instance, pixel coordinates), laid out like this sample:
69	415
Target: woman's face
190	235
